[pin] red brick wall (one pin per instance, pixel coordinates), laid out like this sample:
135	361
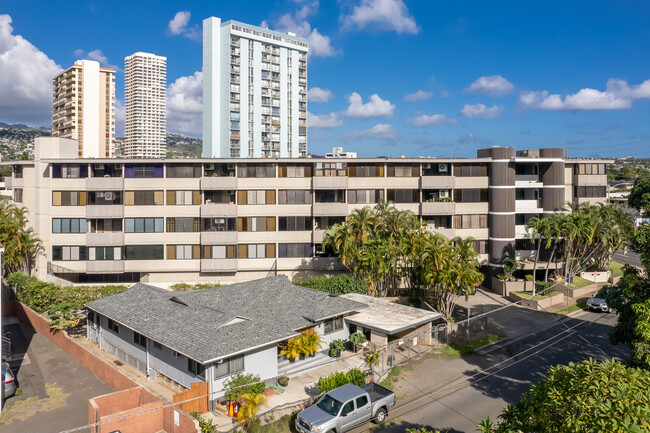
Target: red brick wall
187	424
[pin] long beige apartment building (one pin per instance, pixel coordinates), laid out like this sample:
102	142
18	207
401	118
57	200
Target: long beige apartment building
166	220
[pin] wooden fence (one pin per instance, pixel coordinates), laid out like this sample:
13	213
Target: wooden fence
195	398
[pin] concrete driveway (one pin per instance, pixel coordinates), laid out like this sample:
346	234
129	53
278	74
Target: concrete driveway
54	388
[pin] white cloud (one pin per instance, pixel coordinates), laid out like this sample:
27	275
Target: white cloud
25	79
376	107
382	131
185	105
383	14
316	94
481	111
178	26
617	96
98	56
420	95
324	121
494	85
444	94
319	44
432	120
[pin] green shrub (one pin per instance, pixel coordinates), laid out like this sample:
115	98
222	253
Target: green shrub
336	285
542	286
339	378
243	384
183	287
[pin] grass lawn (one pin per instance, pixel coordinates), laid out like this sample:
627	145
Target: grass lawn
581	305
579	283
392	376
526	295
617	269
455	350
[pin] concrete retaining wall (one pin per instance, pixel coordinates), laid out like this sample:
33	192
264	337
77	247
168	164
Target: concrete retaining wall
540	304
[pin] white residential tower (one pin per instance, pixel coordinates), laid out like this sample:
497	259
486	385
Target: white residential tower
84	108
145	84
254	91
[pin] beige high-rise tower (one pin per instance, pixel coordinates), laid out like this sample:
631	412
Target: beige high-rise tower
84	108
145	84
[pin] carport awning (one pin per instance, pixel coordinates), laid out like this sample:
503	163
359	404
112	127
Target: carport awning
386	316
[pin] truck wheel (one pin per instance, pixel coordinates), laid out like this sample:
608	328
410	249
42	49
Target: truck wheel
380	417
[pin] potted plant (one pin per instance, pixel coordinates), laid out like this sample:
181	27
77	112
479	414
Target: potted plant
313	343
336	347
283	381
358	339
290	351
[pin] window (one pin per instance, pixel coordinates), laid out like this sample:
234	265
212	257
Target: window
526	169
175	354
256	170
220	197
18	171
297	196
143	170
113	326
403	195
143	225
69	225
403	170
256	251
69	171
183	225
183	170
592	169
331	169
139	339
362	401
143	198
365	196
157	345
219	225
228	366
439	221
470	170
294	170
590	191
480	246
349	407
295	250
18	195
470	221
256	224
365	170
144	252
294	224
333	325
175	198
183	252
470	195
68	198
219	251
436	169
329	196
105	197
256	197
104	253
70	253
196	368
323	222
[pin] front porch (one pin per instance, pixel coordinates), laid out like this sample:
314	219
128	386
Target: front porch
300	366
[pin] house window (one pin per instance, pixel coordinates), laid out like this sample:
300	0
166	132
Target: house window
139	339
229	366
113	326
157	345
333	325
196	368
175	354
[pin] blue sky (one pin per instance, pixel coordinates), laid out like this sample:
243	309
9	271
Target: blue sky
393	77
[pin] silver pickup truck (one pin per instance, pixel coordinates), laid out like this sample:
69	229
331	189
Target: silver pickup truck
345	408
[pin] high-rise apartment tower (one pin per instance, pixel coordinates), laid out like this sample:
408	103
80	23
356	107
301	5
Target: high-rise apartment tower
254	92
145	84
84	107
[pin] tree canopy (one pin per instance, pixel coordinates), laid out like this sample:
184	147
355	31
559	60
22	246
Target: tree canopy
588	396
20	244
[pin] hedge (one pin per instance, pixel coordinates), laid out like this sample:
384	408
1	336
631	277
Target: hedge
336	285
339	378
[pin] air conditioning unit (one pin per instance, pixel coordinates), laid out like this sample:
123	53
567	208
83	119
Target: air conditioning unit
209	166
100	194
100	166
442	168
444	194
427	166
231	166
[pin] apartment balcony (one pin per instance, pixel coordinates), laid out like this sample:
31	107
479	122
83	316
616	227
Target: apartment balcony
521	232
218	210
9	182
438	208
104	211
330	209
528	206
590	180
218	183
219	265
318	236
105	239
326	264
219	238
105	266
527	181
438	182
448	233
105	183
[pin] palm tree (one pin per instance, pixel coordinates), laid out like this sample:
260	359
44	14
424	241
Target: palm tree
250	407
20	243
538	227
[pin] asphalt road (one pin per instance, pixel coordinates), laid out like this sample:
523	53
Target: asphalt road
631	258
472	397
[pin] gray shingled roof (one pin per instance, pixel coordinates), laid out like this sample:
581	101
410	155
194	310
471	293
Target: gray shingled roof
198	323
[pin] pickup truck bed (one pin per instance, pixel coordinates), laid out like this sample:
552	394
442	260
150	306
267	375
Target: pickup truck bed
376	391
